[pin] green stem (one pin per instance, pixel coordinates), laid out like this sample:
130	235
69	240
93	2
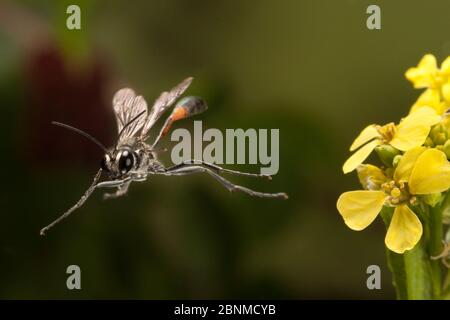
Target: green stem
418	273
435	248
446	287
395	261
412	276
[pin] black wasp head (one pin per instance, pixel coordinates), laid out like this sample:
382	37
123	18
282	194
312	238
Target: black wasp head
119	163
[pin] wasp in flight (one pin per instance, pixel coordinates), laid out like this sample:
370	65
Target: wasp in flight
133	159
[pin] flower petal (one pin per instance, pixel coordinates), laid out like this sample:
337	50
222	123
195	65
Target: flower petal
359	156
409	137
360	208
445	67
429	98
406	164
370	176
431	173
425	115
446	92
368	133
414	129
422	75
404	231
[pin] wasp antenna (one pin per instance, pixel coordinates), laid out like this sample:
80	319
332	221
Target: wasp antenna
84	134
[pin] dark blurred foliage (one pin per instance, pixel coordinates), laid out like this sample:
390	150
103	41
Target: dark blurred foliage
309	68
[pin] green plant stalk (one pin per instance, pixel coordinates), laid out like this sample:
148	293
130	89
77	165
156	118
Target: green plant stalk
435	248
446	287
395	261
411	272
396	265
418	272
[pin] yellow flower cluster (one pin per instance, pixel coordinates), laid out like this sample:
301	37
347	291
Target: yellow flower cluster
415	155
437	81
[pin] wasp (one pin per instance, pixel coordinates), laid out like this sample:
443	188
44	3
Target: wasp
132	158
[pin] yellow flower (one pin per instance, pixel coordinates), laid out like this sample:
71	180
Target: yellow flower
432	98
427	74
420	171
437	81
371	177
411	132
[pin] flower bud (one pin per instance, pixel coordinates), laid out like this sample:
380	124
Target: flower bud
429	142
438	134
445	207
433	199
396	160
386	153
440	138
446	149
370	176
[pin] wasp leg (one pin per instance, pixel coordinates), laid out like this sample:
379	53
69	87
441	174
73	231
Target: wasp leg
112	183
218	169
121	190
80	202
190	169
444	255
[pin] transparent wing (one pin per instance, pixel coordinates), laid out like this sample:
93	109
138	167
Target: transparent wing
126	106
164	101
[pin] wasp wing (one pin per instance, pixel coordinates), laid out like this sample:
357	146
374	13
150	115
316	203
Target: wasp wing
126	107
164	101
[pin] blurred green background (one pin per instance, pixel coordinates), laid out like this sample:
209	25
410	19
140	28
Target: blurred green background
310	68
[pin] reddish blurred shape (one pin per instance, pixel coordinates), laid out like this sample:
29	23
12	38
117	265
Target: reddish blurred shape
57	88
75	96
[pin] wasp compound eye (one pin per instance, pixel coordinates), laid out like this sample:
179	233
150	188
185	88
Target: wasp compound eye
126	162
104	163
